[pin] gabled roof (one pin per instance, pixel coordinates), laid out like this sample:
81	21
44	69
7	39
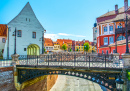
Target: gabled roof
3	30
48	42
26	11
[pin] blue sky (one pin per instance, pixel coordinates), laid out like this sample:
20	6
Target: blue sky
71	19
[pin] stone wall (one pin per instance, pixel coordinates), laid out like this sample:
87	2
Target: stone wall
43	85
6	79
39	86
51	79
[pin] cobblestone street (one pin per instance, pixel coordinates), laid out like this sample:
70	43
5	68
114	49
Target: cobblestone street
69	83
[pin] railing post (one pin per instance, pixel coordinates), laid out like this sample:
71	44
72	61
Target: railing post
48	60
89	61
105	61
27	59
74	60
61	59
37	60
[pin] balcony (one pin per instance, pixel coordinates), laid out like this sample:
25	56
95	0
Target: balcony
120	30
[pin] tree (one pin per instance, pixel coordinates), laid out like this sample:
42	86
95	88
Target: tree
86	47
77	49
64	47
70	49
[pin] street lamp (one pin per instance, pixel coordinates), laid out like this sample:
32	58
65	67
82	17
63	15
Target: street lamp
42	38
14	34
126	20
8	43
119	84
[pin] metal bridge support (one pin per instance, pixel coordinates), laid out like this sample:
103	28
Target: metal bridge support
126	65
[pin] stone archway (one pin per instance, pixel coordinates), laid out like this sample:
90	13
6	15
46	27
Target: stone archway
33	49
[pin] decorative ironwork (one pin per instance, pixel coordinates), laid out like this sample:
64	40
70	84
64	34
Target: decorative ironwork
73	61
102	78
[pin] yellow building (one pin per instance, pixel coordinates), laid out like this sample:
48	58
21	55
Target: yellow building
56	46
80	48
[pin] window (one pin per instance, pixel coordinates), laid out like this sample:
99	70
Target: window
106	51
119	26
95	31
120	38
19	33
105	40
113	51
98	50
111	40
111	28
102	51
105	29
34	35
24	49
3	40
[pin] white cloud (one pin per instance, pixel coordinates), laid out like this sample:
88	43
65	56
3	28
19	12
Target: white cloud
64	34
54	37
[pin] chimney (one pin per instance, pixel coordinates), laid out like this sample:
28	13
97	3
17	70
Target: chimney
125	5
116	9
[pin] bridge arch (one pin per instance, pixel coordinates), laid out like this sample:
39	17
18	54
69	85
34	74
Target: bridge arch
104	78
33	49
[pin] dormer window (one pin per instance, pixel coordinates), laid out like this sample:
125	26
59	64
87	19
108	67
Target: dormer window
19	33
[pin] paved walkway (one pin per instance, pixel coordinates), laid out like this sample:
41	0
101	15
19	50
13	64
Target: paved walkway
70	83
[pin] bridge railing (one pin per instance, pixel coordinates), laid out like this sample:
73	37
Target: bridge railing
73	60
5	62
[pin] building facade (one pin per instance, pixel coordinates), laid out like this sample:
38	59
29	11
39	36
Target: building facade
48	44
3	37
28	32
111	28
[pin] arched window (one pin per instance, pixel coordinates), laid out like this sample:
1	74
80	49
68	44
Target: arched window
19	34
120	38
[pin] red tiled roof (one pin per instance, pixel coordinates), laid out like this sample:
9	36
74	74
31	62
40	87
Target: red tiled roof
48	42
56	42
3	30
65	41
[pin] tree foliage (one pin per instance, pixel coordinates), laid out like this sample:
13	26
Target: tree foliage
77	49
86	47
64	47
70	49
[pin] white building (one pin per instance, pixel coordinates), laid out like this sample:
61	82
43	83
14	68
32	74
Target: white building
29	31
3	36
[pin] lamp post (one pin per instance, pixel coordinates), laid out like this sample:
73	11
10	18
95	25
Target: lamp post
8	43
14	34
119	84
127	49
42	38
